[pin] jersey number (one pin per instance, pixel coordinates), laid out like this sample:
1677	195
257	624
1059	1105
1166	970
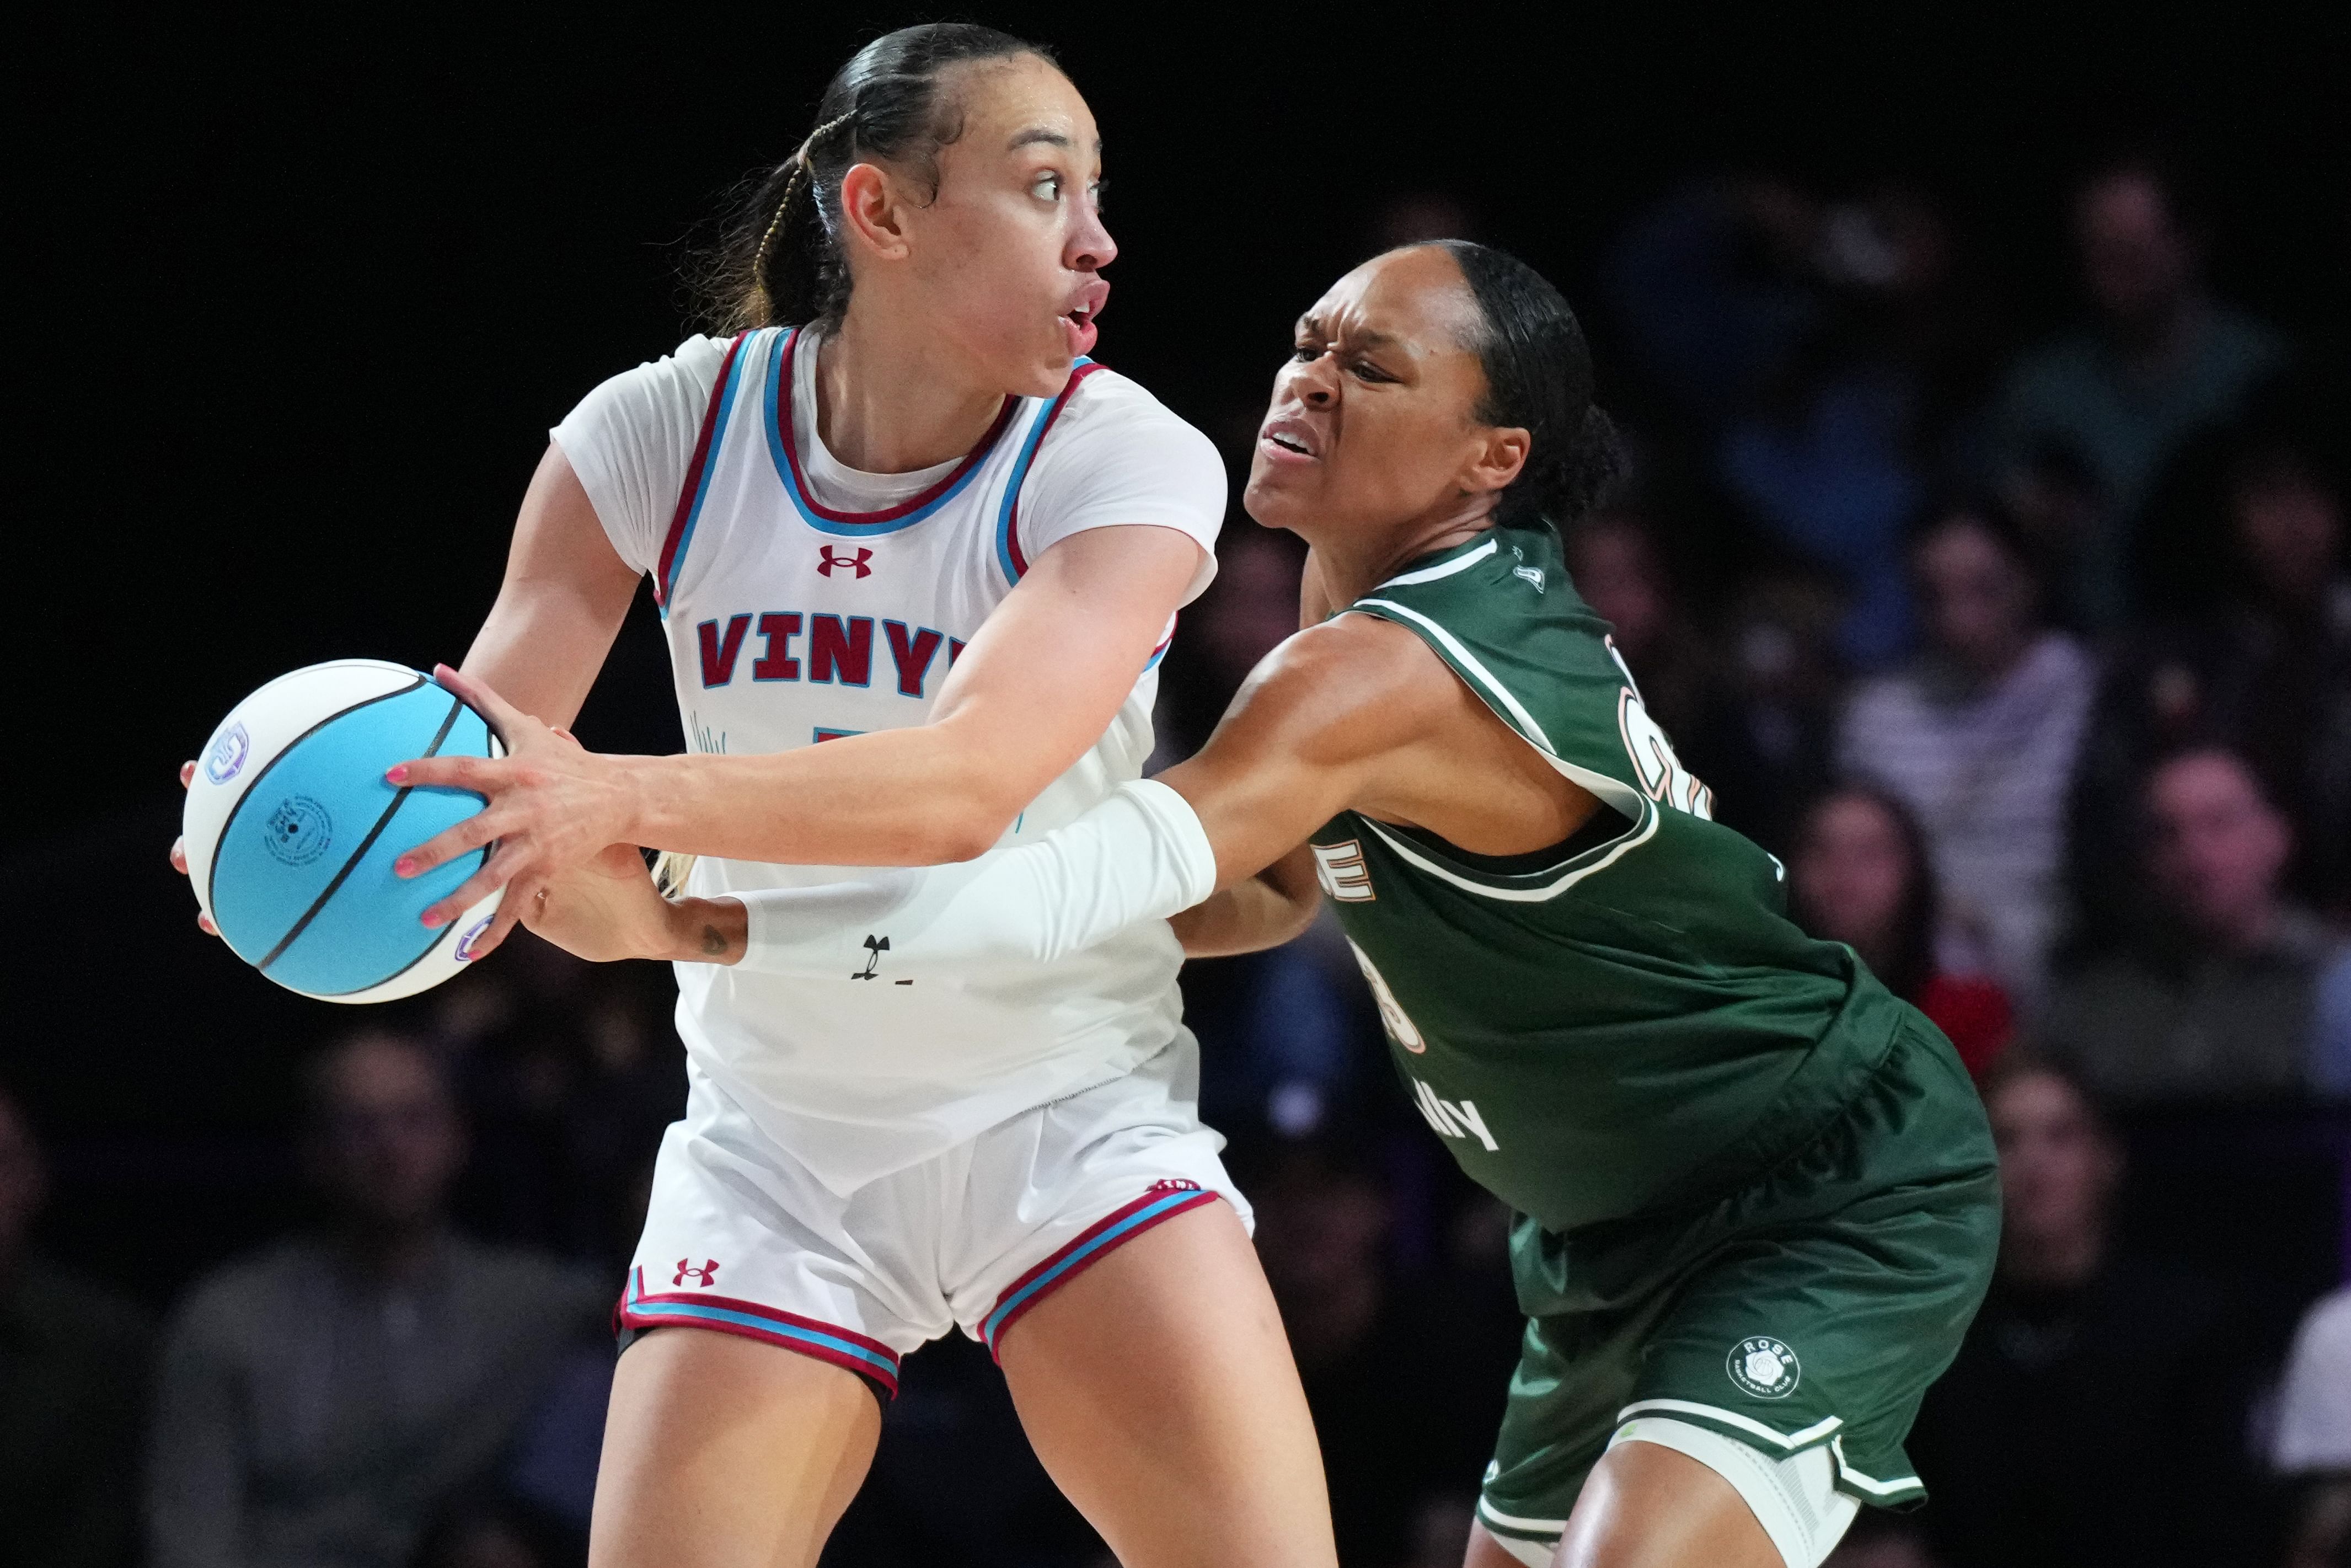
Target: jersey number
1391	1013
1663	777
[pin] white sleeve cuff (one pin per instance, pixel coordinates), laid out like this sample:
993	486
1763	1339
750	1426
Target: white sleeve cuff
1140	854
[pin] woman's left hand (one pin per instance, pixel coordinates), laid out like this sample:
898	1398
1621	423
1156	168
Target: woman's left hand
605	910
553	806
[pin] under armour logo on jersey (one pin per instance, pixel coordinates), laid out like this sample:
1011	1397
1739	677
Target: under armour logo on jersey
706	1275
852	561
874	947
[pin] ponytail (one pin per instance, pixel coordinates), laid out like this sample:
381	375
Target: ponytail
781	263
1538	378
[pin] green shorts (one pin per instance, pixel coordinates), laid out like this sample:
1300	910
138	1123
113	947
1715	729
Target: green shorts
1813	1306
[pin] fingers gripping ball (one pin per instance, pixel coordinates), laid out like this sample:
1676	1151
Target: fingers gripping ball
292	829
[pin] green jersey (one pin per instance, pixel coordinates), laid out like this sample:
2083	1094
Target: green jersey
1630	1021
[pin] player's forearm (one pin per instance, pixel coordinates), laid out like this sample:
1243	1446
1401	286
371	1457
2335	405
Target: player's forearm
909	796
1140	855
1252	915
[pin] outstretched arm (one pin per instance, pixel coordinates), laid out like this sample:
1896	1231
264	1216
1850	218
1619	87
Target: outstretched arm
941	792
1310	733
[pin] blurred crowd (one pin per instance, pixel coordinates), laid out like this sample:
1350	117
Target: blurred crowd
2030	656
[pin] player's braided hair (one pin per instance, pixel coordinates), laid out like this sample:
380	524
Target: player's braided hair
1539	379
781	263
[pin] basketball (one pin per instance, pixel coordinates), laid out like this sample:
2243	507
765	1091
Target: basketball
292	829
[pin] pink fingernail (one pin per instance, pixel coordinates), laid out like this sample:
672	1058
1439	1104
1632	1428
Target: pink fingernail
403	866
433	921
398	775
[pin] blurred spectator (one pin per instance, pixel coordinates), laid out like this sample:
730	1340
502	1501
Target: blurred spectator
1822	346
1979	737
323	1401
2314	1431
2245	549
2094	1412
1405	1383
2322	1531
2222	991
1861	875
1615	563
1249	607
954	1480
1758	728
1769	731
2313	1445
2161	360
1321	1224
567	1073
74	1367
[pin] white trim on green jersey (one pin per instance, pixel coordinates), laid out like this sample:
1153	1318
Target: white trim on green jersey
1492	1515
1628	801
1845	1472
1431	573
1789	1441
1608	856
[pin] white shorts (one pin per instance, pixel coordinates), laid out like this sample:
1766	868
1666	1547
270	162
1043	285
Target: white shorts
743	1238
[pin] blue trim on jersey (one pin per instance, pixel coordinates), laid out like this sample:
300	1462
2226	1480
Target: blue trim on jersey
1020	477
646	1309
702	484
773	406
1111	1238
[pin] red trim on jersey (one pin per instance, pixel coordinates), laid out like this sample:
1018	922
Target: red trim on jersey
913	503
1012	526
693	485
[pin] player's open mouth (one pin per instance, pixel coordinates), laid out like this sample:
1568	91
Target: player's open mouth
1291	438
1080	317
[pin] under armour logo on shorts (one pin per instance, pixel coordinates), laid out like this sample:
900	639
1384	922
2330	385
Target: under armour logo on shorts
855	561
707	1274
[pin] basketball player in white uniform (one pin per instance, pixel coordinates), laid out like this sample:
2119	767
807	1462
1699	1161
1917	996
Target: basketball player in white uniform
917	560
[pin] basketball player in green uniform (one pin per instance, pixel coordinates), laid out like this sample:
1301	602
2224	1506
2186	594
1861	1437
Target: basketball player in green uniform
1756	1191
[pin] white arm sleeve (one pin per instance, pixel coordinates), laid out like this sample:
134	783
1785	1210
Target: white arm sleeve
630	440
1140	855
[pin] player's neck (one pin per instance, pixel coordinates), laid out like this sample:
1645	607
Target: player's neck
891	399
1354	562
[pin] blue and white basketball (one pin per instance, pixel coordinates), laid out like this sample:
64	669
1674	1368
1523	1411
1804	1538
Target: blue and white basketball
292	828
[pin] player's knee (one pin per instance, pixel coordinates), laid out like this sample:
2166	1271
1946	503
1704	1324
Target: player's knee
1793	1498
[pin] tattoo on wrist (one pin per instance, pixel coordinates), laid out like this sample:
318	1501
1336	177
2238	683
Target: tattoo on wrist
713	943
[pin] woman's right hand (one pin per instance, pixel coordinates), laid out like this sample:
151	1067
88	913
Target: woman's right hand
180	854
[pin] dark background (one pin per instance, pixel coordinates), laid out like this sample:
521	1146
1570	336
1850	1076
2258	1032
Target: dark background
305	295
301	297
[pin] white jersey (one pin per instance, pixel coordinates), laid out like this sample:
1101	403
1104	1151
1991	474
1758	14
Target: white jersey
805	602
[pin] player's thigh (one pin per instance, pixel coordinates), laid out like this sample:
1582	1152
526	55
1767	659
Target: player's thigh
1649	1507
727	1453
1159	1392
1644	1507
